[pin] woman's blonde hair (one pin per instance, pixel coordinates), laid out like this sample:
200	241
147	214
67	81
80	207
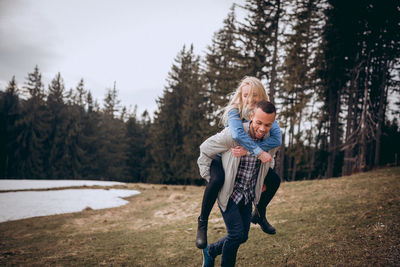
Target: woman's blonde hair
256	88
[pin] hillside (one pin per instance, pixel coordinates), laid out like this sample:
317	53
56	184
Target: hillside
350	221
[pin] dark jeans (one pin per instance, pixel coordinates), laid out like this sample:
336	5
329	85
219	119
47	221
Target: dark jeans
237	221
272	182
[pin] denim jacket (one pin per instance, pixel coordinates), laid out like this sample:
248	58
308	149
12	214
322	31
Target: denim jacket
239	135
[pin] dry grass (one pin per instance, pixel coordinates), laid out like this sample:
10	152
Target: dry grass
350	221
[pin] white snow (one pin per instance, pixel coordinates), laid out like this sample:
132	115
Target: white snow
41	184
26	204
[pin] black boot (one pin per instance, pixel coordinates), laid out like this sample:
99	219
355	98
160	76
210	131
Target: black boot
201	238
264	224
272	182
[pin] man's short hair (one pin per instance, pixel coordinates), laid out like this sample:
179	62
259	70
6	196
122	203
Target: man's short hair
266	106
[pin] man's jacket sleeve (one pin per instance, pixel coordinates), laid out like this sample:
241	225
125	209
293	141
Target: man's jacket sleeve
210	148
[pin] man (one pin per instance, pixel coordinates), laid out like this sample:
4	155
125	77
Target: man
244	179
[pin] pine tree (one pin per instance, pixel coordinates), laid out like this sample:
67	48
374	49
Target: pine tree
299	85
80	95
34	85
371	54
75	154
92	141
111	102
113	149
336	46
33	128
9	115
194	122
260	35
55	142
223	65
383	42
179	123
136	153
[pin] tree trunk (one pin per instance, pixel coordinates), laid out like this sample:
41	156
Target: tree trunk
294	169
275	54
363	142
282	159
381	115
333	109
312	161
350	127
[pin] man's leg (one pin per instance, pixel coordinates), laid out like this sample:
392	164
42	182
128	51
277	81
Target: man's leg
217	178
272	182
237	221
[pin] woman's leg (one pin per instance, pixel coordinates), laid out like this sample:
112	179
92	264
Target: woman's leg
272	182
217	178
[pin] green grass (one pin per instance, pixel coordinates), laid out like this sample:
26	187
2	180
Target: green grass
348	221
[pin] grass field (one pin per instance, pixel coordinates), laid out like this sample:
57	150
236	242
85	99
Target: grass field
348	221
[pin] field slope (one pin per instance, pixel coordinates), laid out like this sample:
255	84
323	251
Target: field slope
347	221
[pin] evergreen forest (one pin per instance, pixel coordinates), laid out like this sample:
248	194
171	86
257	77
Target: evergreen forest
331	67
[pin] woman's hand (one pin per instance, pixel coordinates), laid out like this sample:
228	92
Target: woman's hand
238	151
265	157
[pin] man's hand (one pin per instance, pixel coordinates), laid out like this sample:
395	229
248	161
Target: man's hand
264	157
238	151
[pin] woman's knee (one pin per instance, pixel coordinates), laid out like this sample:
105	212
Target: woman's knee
272	179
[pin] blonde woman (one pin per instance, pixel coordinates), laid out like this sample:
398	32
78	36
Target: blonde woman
247	94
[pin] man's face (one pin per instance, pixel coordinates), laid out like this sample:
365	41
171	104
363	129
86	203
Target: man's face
261	123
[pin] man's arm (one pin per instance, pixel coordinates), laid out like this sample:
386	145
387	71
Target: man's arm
209	149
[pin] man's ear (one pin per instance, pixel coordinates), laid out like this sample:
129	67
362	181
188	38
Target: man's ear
252	114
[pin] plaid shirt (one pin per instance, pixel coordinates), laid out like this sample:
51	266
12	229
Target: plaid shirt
246	179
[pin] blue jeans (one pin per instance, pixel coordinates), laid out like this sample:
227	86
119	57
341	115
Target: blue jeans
237	219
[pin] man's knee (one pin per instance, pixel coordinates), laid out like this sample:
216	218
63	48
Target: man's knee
244	238
239	237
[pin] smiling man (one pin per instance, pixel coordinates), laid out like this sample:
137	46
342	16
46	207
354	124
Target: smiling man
244	179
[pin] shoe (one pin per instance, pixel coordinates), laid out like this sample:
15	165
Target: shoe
264	224
201	238
208	261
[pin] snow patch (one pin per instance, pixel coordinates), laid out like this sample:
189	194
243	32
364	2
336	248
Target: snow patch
19	205
8	184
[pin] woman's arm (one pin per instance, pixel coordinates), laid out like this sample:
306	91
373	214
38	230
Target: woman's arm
240	136
274	140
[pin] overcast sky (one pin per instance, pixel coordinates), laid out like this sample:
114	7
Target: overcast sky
131	42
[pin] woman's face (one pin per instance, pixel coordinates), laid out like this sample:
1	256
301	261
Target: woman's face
247	99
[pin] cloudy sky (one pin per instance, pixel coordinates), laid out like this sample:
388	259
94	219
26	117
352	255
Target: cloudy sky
131	42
